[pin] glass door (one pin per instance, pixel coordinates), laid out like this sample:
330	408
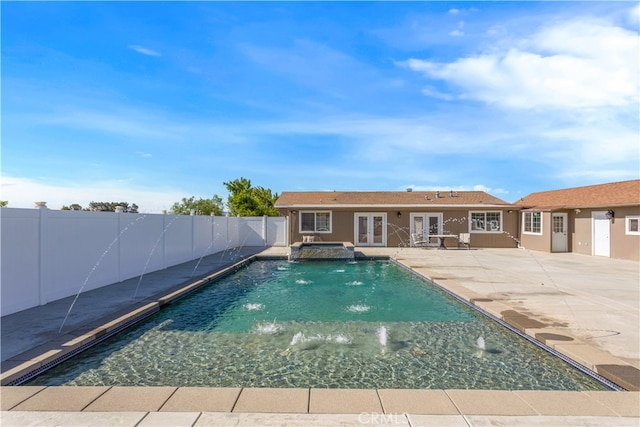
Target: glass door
378	230
370	229
427	224
362	230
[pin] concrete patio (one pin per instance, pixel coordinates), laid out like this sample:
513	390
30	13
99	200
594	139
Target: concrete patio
584	307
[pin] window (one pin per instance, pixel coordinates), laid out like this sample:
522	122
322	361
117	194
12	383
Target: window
486	221
315	222
632	224
532	222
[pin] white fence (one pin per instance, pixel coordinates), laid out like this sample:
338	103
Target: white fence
48	254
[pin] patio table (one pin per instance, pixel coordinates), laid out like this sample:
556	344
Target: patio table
442	237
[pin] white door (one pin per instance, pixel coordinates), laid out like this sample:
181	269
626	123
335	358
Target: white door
559	240
601	234
371	229
428	224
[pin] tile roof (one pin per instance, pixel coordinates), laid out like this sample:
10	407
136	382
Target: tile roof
386	198
624	193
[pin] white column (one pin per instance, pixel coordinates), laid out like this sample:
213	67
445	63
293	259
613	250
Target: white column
264	229
42	207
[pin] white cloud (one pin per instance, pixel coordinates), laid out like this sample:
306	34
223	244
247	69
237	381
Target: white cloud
579	64
122	121
143	50
434	93
456	33
143	154
470	187
634	15
23	192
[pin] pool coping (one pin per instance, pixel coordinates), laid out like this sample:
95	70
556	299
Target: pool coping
588	356
524	403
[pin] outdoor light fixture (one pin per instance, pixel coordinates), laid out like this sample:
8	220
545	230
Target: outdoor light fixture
399	214
577	211
610	214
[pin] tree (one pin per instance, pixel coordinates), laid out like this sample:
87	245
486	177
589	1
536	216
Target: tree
245	200
72	207
212	206
4	203
266	200
111	207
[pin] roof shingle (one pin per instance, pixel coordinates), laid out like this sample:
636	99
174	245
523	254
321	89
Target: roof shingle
624	193
386	198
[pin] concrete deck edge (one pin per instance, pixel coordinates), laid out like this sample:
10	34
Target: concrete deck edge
461	402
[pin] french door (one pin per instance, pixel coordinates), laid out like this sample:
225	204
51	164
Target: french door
370	229
428	224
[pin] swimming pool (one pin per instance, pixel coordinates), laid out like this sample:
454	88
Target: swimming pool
320	324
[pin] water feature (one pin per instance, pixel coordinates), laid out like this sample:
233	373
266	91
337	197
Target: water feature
235	253
153	249
481	344
383	335
319	324
95	266
206	250
322	251
403	234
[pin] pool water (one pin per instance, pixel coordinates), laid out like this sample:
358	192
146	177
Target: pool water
320	324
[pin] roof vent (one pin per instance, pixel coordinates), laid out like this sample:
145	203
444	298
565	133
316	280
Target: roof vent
450	193
409	190
437	194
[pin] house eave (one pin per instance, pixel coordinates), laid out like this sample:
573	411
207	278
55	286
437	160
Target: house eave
396	206
577	206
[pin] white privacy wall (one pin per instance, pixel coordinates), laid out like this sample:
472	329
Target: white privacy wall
48	254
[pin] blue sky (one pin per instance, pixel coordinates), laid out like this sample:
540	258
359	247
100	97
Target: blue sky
150	102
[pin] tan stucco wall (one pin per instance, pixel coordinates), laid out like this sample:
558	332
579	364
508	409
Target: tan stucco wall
582	235
454	222
624	246
539	242
580	231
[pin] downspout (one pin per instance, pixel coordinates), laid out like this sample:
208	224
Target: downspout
519	232
291	221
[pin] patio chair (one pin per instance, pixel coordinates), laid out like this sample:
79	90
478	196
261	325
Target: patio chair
418	240
465	240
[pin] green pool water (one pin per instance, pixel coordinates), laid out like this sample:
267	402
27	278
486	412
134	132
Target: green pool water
320	324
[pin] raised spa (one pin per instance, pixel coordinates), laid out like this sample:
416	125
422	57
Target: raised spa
308	251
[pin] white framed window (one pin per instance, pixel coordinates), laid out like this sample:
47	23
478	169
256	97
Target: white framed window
486	222
532	222
632	224
315	222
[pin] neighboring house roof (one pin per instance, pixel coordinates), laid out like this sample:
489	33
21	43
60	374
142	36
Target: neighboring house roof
624	193
387	199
